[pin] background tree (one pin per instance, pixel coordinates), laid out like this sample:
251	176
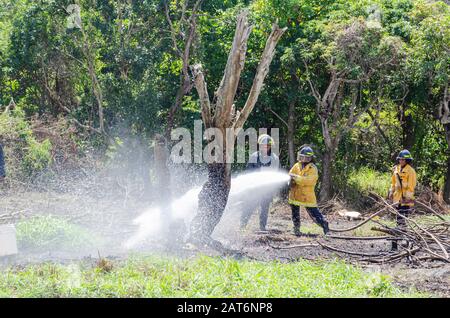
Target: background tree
352	54
430	59
183	35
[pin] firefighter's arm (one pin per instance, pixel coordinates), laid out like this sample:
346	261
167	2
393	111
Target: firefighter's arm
309	179
293	173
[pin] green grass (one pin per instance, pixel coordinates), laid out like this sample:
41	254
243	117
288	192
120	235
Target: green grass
427	219
359	183
366	180
311	228
198	277
365	230
49	232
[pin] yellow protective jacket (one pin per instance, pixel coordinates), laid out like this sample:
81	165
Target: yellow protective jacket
301	192
403	192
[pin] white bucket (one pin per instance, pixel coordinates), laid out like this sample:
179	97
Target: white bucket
8	241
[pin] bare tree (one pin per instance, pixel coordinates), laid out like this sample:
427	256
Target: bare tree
221	114
329	108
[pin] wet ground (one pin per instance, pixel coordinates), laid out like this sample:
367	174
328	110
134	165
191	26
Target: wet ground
112	220
279	243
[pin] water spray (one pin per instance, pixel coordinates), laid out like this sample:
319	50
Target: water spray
244	186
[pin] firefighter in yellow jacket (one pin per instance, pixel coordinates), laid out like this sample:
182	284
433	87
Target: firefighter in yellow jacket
403	183
304	177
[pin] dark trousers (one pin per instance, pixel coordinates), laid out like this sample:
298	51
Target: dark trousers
264	206
314	213
401	222
403	210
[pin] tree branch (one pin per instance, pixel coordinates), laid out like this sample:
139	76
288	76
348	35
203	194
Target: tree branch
261	73
315	93
224	96
278	116
383	135
172	30
202	90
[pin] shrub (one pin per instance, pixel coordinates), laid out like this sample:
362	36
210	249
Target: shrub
49	232
37	157
24	155
363	181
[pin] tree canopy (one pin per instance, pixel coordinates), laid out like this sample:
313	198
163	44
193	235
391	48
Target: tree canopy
359	80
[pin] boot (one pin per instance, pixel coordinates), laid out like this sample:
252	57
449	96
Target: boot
394	246
325	227
297	231
205	241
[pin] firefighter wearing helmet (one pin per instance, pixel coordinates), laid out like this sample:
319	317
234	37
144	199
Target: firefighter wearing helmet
401	192
304	175
263	159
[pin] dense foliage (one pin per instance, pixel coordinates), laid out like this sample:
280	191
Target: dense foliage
388	61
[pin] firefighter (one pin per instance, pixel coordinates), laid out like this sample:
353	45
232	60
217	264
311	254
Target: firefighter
401	192
263	159
304	177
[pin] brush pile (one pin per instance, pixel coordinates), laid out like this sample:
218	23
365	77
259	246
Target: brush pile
417	243
331	207
428	201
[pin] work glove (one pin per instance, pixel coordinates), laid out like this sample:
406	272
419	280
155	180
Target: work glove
297	179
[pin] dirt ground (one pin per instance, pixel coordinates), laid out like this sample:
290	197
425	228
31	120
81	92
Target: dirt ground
112	219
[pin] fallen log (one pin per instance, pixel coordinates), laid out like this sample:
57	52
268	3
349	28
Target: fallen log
362	238
292	246
331	248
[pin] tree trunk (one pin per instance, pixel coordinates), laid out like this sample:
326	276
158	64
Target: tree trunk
161	170
290	134
96	87
446	194
184	89
444	118
212	200
407	124
326	188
